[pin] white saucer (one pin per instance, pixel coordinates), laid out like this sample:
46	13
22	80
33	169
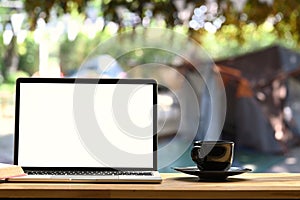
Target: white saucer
212	175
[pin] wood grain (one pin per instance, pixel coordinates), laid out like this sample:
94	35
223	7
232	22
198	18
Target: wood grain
174	186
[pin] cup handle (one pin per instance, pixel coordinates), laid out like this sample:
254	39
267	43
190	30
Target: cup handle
195	155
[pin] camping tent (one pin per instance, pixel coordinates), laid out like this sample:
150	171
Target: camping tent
262	104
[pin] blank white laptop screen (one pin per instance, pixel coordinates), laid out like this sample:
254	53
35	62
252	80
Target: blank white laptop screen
86	125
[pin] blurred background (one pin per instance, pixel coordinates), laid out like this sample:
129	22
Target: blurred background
254	45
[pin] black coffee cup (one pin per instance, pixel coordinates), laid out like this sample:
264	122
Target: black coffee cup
213	155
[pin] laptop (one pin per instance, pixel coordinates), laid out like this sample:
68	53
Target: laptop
86	130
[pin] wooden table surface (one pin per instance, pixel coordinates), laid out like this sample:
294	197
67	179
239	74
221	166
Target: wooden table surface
174	186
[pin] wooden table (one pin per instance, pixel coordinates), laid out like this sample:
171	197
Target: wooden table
174	186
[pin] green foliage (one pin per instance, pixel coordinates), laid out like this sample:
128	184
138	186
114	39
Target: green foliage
250	11
2	50
12	77
162	8
73	53
245	29
225	43
42	8
28	55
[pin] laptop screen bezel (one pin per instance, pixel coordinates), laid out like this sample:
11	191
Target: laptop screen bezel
85	81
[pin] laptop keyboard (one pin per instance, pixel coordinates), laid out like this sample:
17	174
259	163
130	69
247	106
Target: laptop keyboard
90	173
